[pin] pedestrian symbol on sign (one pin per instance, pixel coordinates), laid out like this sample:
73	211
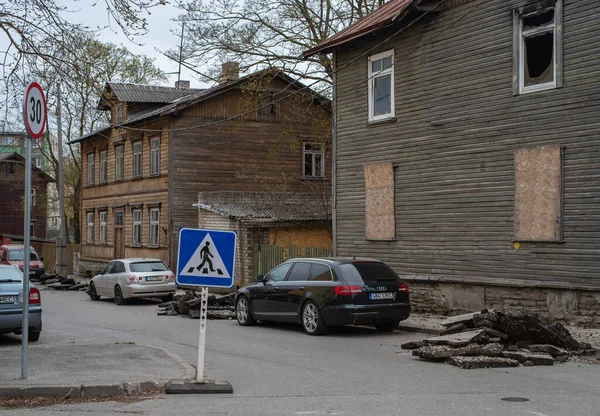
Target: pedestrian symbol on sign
206	261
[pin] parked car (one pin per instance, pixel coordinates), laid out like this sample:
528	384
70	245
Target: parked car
11	304
319	293
124	279
13	254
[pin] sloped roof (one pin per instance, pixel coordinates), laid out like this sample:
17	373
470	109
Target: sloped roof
5	157
197	96
139	93
373	22
264	206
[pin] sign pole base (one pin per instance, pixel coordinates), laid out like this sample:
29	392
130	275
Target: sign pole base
202	336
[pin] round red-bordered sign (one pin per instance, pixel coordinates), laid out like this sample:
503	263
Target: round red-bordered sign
34	110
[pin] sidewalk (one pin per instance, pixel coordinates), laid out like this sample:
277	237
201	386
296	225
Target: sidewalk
93	370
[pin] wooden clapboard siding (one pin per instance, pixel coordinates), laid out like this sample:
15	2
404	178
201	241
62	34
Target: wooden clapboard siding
453	141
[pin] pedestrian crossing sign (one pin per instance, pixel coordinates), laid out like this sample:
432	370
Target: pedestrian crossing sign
206	258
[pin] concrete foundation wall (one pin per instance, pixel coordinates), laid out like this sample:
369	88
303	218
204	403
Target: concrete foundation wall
572	306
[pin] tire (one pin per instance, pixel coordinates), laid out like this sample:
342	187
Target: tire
92	292
243	313
34	336
119	299
387	326
312	320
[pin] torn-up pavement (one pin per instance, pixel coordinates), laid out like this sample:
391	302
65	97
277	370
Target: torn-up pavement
501	339
187	302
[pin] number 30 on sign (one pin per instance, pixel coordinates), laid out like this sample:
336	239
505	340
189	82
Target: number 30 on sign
34	110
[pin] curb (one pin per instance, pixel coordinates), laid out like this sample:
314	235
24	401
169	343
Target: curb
82	391
190	371
419	329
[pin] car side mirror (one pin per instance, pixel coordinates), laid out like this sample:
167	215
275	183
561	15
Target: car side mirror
41	258
100	272
260	278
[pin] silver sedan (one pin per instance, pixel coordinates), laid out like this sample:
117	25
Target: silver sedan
124	279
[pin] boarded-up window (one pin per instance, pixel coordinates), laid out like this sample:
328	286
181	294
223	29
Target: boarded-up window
538	194
380	220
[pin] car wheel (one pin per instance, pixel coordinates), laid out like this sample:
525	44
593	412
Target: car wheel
119	299
34	336
312	321
387	326
92	292
242	311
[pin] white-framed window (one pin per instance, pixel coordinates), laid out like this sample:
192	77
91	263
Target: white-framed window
539	48
381	86
90	169
137	159
137	227
155	156
103	167
154	227
90	228
33	194
314	160
119	162
103	217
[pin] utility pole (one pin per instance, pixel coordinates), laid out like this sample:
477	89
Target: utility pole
61	241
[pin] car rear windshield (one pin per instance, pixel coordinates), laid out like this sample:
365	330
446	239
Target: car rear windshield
359	272
148	266
10	273
17	255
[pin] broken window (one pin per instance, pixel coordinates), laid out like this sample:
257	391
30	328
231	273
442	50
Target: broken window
267	105
381	86
539	47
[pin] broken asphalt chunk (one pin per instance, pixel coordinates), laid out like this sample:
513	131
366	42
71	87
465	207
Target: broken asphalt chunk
482	362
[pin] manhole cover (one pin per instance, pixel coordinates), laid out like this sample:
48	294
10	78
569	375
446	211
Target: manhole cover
515	399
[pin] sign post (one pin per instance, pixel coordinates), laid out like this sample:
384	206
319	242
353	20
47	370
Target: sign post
206	258
34	115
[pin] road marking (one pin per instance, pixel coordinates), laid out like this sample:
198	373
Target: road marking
536	413
317	412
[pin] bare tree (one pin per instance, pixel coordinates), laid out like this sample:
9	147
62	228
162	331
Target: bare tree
266	33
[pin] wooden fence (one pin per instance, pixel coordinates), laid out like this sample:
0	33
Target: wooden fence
266	256
48	252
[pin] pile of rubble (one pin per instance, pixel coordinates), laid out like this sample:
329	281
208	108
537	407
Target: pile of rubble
187	302
60	283
492	338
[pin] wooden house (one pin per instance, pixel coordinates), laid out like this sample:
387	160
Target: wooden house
468	151
141	176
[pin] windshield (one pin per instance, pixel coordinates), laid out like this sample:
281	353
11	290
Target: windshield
10	273
360	272
17	255
148	266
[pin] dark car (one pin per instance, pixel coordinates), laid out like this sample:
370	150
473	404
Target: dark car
319	293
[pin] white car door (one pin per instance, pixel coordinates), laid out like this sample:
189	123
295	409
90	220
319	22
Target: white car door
101	280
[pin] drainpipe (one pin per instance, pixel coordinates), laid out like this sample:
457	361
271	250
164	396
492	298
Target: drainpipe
334	160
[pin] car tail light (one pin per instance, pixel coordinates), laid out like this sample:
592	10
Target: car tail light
402	287
172	277
34	296
140	278
131	279
347	290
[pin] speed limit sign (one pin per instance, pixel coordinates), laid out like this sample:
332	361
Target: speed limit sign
34	110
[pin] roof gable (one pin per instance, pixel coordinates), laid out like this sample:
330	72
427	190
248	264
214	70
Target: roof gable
139	93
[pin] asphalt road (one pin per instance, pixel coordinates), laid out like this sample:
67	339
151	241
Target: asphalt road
278	370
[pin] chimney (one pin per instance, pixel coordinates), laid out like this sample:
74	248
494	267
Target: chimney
182	85
230	71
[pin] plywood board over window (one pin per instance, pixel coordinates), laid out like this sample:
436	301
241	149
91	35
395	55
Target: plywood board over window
380	219
538	194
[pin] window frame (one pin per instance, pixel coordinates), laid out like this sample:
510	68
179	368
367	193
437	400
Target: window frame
90	228
154	224
155	152
103	166
371	82
90	169
555	26
313	153
136	225
136	155
103	227
33	195
119	162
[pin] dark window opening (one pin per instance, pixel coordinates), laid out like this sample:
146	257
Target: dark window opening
539	58
538	19
267	107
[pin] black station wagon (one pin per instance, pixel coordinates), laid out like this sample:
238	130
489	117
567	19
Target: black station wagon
324	292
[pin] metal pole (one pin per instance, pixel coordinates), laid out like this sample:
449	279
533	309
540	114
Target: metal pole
26	257
61	258
202	338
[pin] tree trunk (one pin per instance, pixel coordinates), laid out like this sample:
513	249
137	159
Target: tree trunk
76	213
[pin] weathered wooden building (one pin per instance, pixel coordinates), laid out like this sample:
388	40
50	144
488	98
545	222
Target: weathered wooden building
467	151
12	190
142	175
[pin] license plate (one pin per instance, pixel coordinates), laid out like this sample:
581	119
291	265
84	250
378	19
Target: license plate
31	272
384	295
7	299
153	278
